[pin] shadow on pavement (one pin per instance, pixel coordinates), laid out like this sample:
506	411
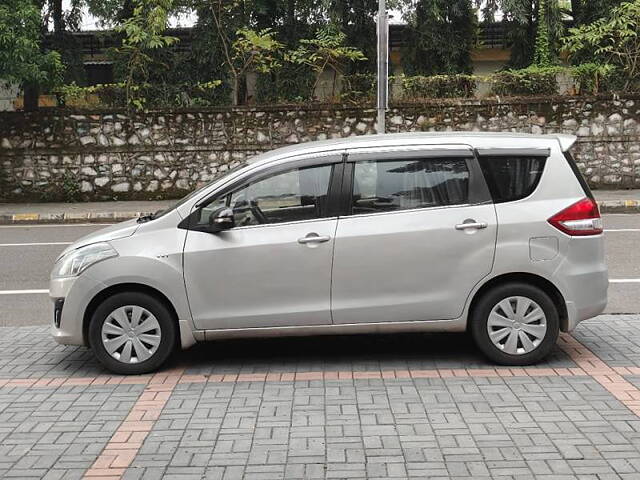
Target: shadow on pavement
334	353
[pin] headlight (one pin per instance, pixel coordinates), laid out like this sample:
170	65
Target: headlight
77	261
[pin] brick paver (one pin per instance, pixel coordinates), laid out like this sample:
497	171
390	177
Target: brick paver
415	406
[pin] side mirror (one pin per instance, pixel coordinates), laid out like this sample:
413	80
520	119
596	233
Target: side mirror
221	219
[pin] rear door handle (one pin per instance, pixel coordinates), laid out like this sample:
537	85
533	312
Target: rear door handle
314	238
468	225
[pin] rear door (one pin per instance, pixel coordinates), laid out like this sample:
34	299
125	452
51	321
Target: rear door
420	234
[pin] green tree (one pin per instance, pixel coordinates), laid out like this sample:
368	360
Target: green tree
143	33
542	55
252	50
22	59
441	36
202	62
584	12
522	22
325	51
615	40
63	41
356	18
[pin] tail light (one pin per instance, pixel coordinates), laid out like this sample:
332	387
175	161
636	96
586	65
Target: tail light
580	219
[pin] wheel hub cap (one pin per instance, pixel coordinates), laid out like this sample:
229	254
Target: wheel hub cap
131	334
517	325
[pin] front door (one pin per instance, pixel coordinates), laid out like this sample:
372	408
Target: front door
419	236
274	267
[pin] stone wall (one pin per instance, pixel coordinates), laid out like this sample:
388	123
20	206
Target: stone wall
59	155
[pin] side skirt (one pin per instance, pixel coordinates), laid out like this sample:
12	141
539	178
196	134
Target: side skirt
457	325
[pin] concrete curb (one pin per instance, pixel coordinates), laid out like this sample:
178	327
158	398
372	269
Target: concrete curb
67	218
607	206
619	206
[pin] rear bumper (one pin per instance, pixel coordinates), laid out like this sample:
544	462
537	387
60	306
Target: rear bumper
584	280
579	311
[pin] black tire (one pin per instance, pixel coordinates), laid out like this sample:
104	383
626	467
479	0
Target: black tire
480	316
162	314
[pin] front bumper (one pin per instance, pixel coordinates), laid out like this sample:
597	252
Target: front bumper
74	293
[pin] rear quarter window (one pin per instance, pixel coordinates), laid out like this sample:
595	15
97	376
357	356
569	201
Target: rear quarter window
576	172
512	178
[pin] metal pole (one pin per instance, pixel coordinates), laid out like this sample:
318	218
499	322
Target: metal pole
383	64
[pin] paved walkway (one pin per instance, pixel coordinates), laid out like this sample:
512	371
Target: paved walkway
610	201
412	406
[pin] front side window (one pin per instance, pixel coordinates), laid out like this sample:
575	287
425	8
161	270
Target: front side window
390	185
294	195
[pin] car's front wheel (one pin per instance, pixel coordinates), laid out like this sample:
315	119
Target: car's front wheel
132	333
515	324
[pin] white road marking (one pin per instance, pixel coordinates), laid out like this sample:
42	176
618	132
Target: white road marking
23	292
39	244
624	280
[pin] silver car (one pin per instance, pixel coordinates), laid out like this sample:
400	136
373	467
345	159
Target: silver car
497	234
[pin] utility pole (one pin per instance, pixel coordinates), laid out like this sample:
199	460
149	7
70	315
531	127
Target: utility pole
383	64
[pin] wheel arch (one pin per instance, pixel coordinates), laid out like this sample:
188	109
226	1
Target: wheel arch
128	288
542	283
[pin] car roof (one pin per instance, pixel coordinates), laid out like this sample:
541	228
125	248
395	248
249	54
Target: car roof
473	139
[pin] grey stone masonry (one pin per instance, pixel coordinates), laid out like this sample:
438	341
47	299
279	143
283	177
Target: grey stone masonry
55	154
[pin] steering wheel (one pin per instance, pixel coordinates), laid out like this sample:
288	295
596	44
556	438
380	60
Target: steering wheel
257	213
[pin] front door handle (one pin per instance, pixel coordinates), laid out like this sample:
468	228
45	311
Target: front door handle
314	238
468	224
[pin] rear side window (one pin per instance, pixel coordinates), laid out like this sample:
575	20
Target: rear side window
390	185
512	177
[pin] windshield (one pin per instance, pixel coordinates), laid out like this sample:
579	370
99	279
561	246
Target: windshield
188	197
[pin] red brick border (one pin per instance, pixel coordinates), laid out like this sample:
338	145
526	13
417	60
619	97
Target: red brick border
608	377
127	440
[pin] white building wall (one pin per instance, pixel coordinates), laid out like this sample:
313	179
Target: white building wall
8	94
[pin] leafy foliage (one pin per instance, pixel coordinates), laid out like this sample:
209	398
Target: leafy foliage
441	34
291	45
256	50
588	11
143	33
156	96
528	81
70	187
616	39
542	55
522	22
326	50
21	57
359	87
439	86
290	83
356	19
592	77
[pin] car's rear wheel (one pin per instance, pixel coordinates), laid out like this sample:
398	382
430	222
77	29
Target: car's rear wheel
515	324
132	333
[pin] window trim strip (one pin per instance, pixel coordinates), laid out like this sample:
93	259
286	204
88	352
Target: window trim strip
514	152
